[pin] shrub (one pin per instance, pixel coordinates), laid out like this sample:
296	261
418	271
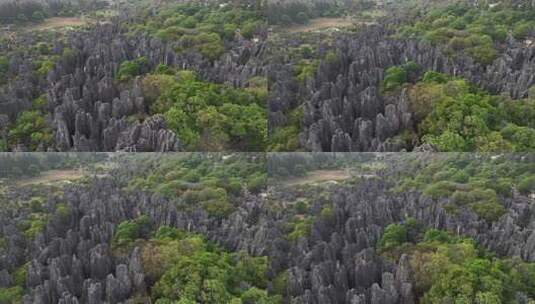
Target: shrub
11	295
395	77
436	235
440	189
527	185
129	231
130	69
489	211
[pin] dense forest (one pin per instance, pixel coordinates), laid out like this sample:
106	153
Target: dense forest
35	11
243	228
396	82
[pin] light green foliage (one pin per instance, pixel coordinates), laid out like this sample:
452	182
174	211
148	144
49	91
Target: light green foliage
211	181
300	227
327	214
31	129
208	116
305	69
19	275
476	32
35	224
168	233
469	182
188	269
11	295
44	67
439	189
62	214
202	29
454	116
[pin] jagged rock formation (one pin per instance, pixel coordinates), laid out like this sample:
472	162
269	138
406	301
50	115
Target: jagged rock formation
72	262
90	111
338	263
343	107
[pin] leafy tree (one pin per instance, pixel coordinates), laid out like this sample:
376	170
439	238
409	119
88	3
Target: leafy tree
129	231
394	235
30	128
130	69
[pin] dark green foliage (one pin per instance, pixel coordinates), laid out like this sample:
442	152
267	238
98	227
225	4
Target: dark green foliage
287	138
130	69
439	189
436	235
38	16
4	68
168	233
396	76
131	230
280	13
432	76
527	185
394	235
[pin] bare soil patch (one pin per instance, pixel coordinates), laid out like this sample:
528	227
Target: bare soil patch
319	176
59	22
321	23
52	176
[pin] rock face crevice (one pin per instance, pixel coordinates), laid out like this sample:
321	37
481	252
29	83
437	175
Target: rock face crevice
344	109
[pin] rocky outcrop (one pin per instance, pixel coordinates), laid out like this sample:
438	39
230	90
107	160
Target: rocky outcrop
89	110
344	109
71	261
